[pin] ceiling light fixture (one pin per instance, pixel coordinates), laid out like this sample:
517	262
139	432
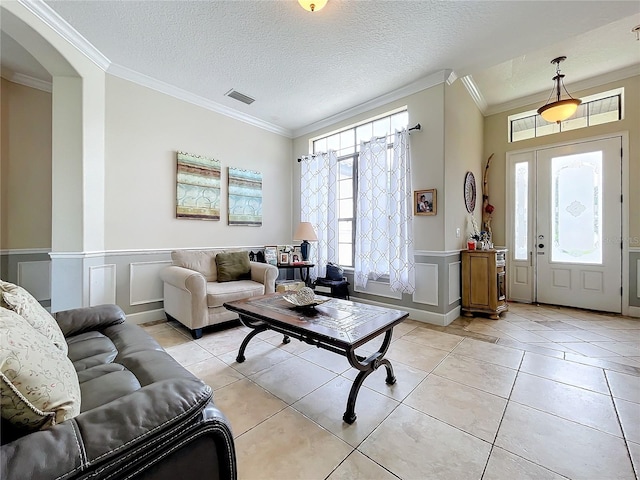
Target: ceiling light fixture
312	5
559	110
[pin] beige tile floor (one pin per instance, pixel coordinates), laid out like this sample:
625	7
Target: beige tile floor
543	393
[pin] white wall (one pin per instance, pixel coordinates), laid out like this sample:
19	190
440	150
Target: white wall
144	129
463	153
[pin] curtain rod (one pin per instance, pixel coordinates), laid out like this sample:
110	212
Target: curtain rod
417	127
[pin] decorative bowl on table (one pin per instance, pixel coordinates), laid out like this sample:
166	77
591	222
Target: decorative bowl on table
304	298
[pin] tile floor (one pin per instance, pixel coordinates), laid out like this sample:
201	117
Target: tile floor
543	393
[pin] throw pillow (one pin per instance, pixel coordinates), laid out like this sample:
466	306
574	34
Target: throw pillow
22	302
233	266
38	383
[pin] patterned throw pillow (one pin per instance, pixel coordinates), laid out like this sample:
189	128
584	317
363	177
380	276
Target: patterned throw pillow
38	383
22	302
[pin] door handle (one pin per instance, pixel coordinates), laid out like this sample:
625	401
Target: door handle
541	245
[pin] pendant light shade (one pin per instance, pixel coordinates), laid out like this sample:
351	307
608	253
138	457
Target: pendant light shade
312	5
559	110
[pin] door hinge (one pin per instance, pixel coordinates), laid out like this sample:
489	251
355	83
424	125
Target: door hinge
620	291
621	198
621	152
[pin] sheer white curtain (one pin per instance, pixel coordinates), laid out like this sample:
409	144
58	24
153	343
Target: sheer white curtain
318	187
401	265
372	221
384	220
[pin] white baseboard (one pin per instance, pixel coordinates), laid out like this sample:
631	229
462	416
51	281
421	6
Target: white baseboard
440	319
148	316
633	311
452	315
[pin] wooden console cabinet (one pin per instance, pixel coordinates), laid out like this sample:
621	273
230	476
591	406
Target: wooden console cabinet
484	282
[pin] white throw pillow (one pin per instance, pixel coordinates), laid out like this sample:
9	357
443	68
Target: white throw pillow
38	383
22	302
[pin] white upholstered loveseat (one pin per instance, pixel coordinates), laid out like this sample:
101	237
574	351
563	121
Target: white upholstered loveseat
194	294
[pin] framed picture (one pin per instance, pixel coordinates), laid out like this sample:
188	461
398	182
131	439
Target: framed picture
424	202
271	255
296	255
198	187
283	258
245	197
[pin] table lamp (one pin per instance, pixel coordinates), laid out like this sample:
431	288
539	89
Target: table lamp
305	233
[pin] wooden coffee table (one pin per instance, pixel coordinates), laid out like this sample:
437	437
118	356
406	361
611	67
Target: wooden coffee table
339	326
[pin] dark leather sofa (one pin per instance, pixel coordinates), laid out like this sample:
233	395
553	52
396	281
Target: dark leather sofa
142	416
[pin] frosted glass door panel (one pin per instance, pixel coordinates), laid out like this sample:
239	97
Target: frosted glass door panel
576	190
521	209
521	167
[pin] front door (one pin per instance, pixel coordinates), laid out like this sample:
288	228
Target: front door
577	249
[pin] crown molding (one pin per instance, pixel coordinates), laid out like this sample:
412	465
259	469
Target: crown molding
473	90
163	87
615	76
27	80
50	17
451	77
426	82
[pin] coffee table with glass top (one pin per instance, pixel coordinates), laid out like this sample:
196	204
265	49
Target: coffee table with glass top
340	326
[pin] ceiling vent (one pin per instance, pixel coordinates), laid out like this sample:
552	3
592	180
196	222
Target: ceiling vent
241	97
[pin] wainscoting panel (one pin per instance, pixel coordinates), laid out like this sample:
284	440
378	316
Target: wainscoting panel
102	284
454	282
381	289
145	285
426	283
35	277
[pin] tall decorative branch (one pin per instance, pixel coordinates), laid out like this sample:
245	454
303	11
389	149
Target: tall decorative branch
487	208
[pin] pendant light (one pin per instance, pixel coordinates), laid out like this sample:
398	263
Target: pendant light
312	5
559	110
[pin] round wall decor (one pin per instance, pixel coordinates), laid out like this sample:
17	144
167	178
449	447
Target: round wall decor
470	192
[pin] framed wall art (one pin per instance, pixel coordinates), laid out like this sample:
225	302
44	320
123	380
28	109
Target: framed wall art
425	202
245	197
198	187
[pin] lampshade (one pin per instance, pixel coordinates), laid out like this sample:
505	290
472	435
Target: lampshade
559	110
305	232
312	5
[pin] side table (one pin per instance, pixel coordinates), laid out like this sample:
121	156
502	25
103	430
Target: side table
304	270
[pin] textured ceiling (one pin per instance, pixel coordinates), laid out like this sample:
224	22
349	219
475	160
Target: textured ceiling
303	67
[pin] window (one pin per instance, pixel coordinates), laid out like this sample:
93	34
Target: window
596	109
346	143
